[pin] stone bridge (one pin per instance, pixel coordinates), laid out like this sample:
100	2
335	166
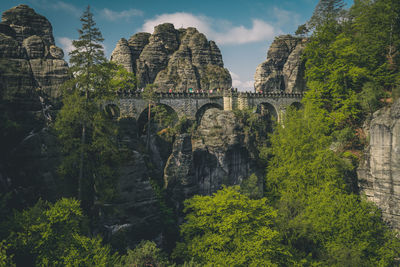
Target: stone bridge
193	105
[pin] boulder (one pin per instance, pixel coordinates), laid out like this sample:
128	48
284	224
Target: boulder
56	52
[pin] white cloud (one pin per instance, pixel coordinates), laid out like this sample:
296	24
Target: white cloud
112	15
66	44
226	33
241	85
180	20
259	31
60	5
285	17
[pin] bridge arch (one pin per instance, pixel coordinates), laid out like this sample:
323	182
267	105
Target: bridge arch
268	110
200	112
143	116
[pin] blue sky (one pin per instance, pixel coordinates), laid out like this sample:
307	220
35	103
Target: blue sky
243	29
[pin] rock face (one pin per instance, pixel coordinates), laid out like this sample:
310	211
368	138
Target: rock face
31	73
379	172
29	59
283	70
173	59
215	155
137	203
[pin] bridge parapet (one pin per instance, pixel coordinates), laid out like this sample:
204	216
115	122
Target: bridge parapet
188	104
161	95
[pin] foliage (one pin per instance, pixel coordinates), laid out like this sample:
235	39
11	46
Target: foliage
344	230
87	135
302	30
165	118
229	229
326	10
88	53
145	254
251	187
301	155
351	62
256	129
320	220
150	93
369	98
5	260
123	80
49	234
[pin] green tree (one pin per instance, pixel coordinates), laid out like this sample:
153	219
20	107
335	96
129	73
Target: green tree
145	254
369	98
302	30
251	187
229	229
340	229
50	234
123	80
376	31
5	259
309	184
326	10
86	133
300	154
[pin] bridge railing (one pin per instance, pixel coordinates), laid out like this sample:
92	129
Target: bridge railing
138	94
212	94
278	94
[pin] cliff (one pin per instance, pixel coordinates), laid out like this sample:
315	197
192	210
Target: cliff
32	70
173	59
379	172
283	70
216	154
29	59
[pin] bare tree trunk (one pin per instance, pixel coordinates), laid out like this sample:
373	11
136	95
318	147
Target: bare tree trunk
148	127
81	161
80	186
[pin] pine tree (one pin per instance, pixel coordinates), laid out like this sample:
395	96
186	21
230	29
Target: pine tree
326	10
87	135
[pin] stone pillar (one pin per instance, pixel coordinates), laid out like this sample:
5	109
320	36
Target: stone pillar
227	100
243	102
281	112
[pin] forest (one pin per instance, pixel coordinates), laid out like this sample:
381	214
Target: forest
308	210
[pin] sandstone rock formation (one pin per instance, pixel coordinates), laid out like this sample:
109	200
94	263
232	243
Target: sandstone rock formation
283	70
379	172
173	59
215	155
29	59
31	73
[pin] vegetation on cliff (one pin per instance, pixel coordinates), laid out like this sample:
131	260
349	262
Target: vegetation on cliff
309	212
